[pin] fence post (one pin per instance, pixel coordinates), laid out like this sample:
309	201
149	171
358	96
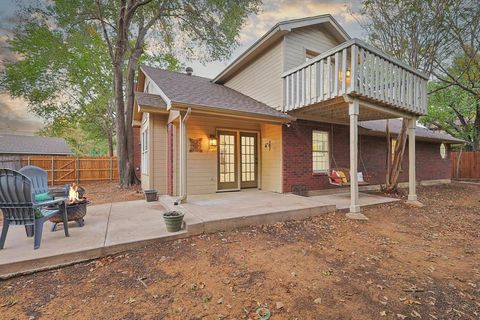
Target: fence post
53	171
111	168
28	160
77	170
458	156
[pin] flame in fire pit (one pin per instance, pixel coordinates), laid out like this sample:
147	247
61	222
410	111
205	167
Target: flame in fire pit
73	194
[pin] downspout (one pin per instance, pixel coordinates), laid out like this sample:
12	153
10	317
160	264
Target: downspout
183	157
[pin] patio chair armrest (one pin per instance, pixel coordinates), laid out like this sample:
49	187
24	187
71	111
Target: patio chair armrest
59	191
49	202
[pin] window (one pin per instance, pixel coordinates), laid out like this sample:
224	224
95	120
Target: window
144	149
320	156
443	151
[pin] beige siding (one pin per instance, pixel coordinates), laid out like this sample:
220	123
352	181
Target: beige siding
202	166
315	38
271	157
158	152
261	79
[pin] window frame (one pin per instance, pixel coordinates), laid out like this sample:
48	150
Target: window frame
144	151
327	152
443	148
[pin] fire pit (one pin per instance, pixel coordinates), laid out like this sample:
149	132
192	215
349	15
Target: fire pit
76	207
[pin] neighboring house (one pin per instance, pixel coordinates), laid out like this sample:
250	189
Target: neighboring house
282	115
15	147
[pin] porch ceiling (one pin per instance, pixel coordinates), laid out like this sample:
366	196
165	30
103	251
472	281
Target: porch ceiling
336	111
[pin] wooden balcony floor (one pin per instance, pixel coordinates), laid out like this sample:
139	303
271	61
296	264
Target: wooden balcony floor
336	111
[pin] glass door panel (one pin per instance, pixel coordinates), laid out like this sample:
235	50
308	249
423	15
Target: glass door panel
227	160
248	160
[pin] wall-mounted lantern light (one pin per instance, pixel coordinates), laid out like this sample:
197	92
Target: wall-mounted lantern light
340	75
212	141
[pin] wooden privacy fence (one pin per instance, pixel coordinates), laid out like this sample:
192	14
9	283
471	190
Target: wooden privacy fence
466	165
62	169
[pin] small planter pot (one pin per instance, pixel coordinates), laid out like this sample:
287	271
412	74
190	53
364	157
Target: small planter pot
150	195
173	220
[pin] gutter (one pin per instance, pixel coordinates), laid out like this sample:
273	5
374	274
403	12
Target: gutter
285	118
183	158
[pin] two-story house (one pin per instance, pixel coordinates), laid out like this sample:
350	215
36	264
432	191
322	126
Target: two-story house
302	101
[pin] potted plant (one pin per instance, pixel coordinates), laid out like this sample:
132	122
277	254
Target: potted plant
150	195
173	220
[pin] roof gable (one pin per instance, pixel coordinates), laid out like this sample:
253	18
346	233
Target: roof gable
276	33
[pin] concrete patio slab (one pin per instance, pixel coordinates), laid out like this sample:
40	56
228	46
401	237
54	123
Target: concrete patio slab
227	211
342	200
116	227
109	228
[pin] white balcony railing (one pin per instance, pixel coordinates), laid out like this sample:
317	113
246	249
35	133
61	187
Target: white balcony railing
377	77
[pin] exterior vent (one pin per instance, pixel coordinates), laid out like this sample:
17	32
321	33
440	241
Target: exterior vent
189	70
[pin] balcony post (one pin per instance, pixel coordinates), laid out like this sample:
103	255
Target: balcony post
353	111
412	192
353	68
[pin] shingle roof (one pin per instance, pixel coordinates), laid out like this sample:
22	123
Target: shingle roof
194	90
150	100
420	132
16	144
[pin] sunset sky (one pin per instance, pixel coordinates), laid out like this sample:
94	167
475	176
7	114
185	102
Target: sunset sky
13	112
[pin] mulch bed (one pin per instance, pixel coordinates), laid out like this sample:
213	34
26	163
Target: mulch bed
404	263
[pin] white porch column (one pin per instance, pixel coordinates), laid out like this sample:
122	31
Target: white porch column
183	157
353	112
412	193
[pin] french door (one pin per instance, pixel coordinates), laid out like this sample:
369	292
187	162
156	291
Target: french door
248	160
227	160
237	160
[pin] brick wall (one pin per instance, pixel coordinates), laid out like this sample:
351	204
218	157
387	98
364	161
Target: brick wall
137	162
297	156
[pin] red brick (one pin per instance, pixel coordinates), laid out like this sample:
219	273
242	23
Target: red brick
137	152
297	156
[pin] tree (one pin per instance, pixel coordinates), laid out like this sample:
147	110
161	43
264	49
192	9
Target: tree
453	105
461	74
203	29
64	76
413	31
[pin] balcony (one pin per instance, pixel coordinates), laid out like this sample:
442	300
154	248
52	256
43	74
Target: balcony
361	71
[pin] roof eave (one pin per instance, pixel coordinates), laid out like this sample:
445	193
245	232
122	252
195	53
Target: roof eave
182	106
38	153
271	36
377	133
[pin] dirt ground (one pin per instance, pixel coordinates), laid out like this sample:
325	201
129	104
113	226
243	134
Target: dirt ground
404	263
104	192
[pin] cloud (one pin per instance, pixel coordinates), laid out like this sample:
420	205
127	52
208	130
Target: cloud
276	11
15	118
14	115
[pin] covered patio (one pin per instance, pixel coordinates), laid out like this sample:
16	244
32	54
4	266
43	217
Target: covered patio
112	228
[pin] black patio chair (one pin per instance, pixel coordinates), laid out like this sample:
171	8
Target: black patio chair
39	178
18	205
